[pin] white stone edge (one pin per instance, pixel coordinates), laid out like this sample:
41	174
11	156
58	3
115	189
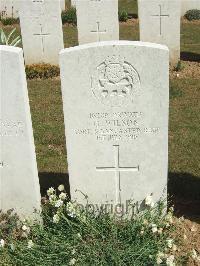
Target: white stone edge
115	43
8	48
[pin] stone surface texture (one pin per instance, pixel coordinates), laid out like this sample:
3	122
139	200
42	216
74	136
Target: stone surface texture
116	120
97	20
19	184
41	28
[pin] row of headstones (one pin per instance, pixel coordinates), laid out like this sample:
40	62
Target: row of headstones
41	26
185	5
115	102
9	8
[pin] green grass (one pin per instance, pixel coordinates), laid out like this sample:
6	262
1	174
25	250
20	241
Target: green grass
184	127
190	38
48	124
184	142
70	34
129	6
129	32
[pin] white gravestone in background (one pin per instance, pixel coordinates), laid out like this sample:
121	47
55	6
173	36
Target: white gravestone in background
41	28
160	23
97	20
116	120
62	3
8	9
19	184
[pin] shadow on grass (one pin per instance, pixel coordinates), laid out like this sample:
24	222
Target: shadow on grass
51	179
131	15
184	190
188	56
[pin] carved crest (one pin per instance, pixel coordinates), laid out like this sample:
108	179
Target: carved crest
115	82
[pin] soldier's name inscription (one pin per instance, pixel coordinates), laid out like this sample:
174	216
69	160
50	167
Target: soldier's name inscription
116	126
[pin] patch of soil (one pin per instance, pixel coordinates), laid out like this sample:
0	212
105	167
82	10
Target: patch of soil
185	21
188	233
190	70
131	21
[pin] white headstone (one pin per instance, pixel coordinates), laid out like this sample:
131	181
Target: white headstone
62	3
19	185
97	20
8	9
41	28
115	97
188	5
160	23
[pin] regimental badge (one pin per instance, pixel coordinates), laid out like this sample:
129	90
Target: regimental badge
115	82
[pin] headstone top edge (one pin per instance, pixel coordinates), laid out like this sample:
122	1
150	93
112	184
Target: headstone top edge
11	49
113	43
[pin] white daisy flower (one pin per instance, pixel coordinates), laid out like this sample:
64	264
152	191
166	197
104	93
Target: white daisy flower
56	218
170	243
30	244
2	243
170	261
72	261
58	203
149	201
61	188
50	191
63	196
154	228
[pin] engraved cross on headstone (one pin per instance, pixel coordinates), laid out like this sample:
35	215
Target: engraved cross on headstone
12	11
38	1
42	35
160	16
98	31
117	169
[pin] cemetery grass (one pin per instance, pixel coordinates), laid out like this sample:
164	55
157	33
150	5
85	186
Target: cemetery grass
184	131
